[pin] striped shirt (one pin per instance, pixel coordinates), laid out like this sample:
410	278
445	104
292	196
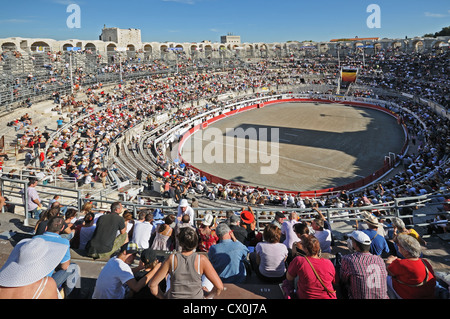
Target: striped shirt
364	275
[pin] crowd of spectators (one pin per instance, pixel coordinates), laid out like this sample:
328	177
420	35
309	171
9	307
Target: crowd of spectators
217	251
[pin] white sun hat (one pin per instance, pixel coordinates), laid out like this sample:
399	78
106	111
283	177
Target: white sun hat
30	261
184	203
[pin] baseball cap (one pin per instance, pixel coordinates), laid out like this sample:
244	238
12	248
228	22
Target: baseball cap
360	237
130	248
148	256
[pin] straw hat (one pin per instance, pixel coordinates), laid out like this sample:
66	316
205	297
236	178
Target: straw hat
370	219
30	261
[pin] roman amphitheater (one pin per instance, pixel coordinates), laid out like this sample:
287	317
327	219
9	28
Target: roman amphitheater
113	120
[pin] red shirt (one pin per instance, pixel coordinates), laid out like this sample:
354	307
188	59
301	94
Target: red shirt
412	272
309	287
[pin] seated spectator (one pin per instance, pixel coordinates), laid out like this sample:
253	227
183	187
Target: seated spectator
239	232
207	234
316	276
105	241
25	274
378	244
400	228
287	229
83	232
269	258
411	277
41	225
323	235
186	270
117	279
149	262
300	229
143	230
228	256
164	235
185	222
362	274
67	273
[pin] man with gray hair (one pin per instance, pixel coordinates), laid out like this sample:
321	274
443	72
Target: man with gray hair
228	256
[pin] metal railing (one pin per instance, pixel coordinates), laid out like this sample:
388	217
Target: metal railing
17	190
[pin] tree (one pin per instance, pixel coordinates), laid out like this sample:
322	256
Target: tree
444	32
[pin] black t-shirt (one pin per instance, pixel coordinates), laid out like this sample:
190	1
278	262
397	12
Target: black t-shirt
105	233
239	232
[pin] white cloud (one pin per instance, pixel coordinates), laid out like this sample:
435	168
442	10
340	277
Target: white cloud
15	21
436	15
181	1
65	2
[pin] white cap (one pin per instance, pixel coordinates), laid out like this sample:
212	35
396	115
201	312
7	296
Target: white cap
360	237
184	203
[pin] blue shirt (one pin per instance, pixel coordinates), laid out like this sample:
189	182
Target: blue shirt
378	244
227	258
56	238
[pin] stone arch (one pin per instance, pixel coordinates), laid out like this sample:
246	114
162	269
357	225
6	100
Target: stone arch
91	47
9	46
67	45
193	49
111	47
397	44
40	46
437	44
131	48
249	50
148	49
418	46
208	50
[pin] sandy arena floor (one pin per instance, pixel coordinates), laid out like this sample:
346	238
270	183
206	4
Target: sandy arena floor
320	146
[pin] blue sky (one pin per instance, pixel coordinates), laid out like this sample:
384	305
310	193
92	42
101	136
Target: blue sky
198	20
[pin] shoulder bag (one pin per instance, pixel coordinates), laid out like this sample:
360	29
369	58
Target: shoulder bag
320	279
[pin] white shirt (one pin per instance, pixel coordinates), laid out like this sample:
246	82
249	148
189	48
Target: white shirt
189	211
111	282
142	233
324	237
287	228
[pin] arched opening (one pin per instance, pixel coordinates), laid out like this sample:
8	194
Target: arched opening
418	46
131	48
9	46
208	51
90	47
40	46
111	48
148	48
264	51
66	46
